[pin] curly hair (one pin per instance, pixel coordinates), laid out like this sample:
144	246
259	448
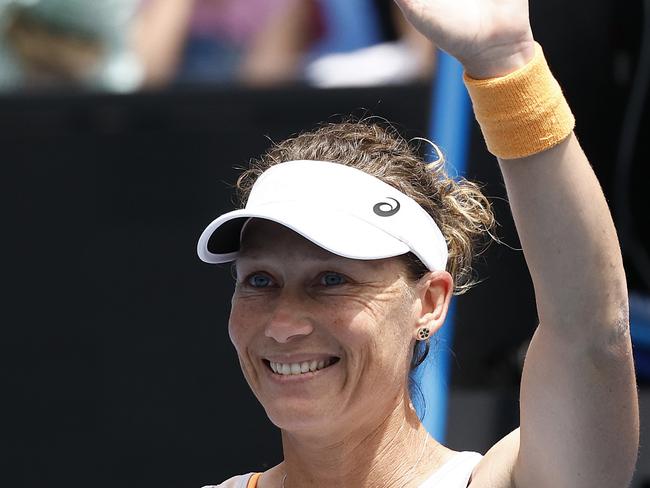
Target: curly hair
462	212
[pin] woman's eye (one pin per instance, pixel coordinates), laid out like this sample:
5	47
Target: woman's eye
332	279
258	281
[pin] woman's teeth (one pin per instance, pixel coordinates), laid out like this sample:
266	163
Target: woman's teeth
299	368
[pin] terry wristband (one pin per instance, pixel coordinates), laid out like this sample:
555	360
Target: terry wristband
522	113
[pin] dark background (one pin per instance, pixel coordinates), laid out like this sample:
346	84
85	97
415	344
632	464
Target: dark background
116	366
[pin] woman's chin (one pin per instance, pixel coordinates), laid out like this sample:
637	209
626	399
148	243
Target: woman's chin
293	415
301	401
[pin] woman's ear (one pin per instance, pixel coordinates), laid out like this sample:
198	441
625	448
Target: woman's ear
434	291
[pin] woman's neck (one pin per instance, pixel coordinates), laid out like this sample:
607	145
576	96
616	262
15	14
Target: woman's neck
394	451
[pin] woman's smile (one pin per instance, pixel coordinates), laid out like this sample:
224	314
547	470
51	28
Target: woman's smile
295	367
291	372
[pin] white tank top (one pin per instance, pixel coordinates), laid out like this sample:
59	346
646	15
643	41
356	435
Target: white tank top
455	473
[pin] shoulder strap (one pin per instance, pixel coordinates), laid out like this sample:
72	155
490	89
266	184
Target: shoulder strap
252	481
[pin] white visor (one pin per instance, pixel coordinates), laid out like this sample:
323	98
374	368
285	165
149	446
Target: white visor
339	208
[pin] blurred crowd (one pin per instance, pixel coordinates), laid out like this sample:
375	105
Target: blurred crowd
127	45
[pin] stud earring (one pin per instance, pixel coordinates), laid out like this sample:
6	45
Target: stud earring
423	333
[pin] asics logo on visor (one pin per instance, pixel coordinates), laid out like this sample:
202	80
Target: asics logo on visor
385	209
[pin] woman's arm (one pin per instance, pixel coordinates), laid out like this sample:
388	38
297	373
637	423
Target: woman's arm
579	407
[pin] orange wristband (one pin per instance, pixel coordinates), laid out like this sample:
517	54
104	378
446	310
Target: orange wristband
522	113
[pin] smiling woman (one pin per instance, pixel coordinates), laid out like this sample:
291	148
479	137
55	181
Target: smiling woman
348	248
328	304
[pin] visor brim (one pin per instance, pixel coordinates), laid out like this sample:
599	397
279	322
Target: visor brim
335	231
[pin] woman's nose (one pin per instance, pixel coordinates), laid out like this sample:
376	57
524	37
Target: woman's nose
288	322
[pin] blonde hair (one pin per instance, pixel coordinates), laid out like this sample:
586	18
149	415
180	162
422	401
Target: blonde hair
458	206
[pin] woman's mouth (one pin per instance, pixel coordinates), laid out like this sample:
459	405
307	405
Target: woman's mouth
303	367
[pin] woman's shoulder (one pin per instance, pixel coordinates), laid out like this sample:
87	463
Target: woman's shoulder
239	481
495	469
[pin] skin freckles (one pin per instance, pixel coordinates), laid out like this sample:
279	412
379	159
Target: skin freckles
295	298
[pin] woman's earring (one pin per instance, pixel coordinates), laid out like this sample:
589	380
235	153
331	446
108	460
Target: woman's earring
423	333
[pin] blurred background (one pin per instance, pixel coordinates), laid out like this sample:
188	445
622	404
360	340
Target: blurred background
129	45
122	125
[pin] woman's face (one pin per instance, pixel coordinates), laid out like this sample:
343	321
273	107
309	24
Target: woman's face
320	338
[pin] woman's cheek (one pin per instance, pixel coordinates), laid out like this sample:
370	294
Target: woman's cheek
239	325
241	336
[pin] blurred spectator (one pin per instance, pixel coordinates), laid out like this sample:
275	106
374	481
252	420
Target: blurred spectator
255	41
56	42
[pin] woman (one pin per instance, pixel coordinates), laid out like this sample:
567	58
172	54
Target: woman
349	250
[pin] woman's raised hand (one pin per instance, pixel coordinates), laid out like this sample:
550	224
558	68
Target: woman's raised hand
489	37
